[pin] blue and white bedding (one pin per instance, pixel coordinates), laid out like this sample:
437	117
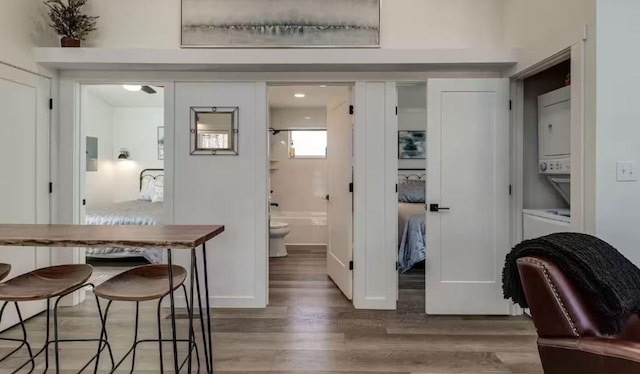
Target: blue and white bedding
137	212
411	231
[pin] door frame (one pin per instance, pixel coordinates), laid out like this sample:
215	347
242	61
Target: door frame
579	206
66	138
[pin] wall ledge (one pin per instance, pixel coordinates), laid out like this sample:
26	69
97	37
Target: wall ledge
275	60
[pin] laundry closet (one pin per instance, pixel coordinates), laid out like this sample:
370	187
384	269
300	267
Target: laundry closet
547	152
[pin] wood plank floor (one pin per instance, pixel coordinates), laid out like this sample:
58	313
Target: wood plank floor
310	327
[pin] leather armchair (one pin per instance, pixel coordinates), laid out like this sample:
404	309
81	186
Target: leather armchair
569	340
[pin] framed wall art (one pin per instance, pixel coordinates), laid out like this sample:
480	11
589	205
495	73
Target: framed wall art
280	23
412	145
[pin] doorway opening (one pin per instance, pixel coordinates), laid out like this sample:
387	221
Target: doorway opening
122	168
412	192
310	192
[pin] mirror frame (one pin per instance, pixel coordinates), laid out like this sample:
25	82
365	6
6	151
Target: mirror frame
235	114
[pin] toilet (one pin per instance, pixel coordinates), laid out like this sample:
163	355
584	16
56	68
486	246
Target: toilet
277	232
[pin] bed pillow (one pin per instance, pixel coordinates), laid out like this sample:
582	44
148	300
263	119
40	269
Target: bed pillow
147	189
158	194
411	191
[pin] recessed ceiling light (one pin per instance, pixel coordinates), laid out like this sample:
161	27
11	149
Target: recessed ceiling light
323	85
299	95
132	87
307	117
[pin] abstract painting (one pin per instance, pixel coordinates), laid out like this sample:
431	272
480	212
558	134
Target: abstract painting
280	23
412	145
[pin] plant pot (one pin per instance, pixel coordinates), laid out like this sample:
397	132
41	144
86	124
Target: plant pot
67	41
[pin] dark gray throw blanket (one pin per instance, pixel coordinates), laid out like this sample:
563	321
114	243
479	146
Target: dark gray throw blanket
609	281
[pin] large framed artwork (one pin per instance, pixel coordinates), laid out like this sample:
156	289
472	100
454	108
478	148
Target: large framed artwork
280	23
412	145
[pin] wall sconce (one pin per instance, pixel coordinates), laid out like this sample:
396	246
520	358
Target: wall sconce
124	154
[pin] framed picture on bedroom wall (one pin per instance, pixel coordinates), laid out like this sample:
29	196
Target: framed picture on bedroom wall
160	143
280	23
412	145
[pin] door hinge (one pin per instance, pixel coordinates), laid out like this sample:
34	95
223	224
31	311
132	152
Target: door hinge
351	187
350	265
396	110
510	105
50	104
510	190
84	202
50	187
397	266
351	109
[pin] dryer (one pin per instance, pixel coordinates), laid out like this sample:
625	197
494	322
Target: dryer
554	132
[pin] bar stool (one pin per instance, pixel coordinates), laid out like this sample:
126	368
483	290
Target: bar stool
45	284
145	283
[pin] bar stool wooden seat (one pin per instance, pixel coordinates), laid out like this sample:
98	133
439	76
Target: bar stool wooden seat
5	269
45	284
144	283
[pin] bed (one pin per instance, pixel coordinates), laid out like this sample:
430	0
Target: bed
411	221
147	210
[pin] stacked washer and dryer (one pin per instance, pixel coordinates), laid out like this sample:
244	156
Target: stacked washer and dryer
554	162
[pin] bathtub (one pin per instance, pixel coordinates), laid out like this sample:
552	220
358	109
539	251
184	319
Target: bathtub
306	227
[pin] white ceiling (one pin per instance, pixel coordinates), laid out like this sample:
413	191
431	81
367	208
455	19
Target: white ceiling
316	96
116	96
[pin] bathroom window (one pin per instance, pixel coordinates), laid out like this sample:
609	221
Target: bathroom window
308	144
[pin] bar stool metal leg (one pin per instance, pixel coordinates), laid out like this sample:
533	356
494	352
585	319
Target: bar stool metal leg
135	337
160	337
23	342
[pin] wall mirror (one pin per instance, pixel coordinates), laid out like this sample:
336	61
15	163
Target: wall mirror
214	131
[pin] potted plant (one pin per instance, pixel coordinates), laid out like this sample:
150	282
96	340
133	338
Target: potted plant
69	22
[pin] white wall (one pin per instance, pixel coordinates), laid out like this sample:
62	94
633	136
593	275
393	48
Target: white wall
542	28
227	190
97	117
135	129
618	119
405	23
298	185
23	25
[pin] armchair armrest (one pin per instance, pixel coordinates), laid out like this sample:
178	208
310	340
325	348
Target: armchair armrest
631	331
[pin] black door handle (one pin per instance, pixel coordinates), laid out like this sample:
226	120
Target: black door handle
437	208
327	197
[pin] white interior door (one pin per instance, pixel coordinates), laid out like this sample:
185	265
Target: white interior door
375	220
24	162
340	204
468	164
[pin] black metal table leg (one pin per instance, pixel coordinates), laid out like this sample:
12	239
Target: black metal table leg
207	302
190	309
201	313
173	315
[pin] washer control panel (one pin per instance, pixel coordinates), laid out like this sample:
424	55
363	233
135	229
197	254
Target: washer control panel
557	166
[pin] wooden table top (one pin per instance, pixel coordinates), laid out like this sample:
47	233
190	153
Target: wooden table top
97	236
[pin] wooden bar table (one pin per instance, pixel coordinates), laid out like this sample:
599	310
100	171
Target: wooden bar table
173	237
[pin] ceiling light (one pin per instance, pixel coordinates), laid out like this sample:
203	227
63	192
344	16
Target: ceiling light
132	87
307	117
323	85
299	95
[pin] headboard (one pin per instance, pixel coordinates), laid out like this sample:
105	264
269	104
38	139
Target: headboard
150	173
412	174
